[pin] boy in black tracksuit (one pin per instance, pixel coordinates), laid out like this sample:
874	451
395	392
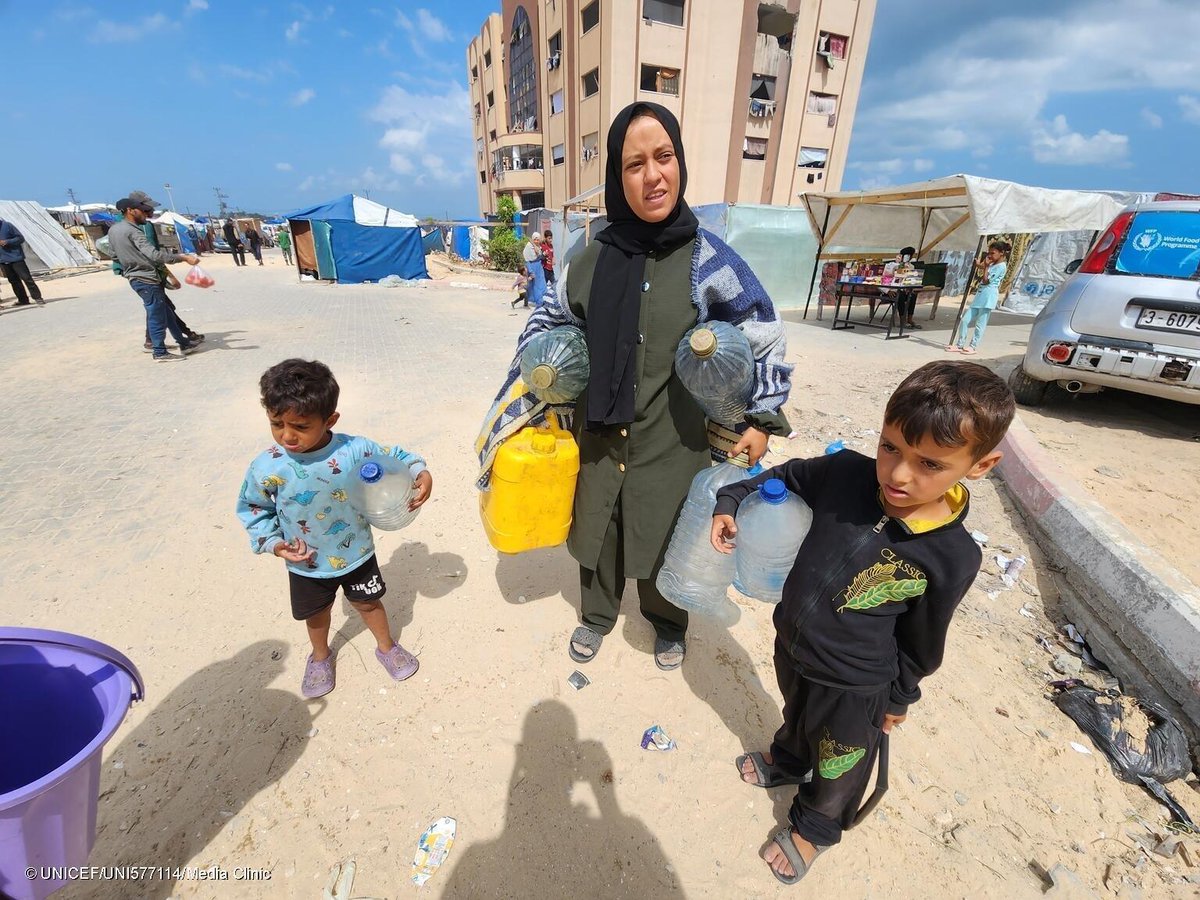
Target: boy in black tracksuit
870	596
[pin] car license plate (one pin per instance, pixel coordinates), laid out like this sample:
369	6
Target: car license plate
1167	320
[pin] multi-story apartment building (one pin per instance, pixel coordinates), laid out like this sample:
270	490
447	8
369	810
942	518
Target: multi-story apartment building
765	92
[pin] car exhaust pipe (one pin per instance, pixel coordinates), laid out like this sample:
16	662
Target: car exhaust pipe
1073	387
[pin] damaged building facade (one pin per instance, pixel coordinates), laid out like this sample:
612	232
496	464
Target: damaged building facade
765	93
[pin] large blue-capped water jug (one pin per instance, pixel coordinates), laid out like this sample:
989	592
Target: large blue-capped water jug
771	525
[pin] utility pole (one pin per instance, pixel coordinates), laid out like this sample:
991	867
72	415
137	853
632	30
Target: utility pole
170	196
74	202
221	198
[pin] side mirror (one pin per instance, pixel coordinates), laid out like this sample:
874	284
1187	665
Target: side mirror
1073	265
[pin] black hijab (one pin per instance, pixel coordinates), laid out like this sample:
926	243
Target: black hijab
615	302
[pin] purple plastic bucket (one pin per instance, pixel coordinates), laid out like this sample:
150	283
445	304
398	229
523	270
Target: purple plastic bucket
61	698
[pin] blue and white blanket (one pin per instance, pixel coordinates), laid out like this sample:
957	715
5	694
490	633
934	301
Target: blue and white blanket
723	290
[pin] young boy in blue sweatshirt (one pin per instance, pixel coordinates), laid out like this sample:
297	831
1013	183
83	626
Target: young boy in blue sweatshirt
870	596
294	505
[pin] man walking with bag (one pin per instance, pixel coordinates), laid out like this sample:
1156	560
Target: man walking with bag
139	263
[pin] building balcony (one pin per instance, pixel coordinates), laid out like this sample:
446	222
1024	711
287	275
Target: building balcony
769	57
505	180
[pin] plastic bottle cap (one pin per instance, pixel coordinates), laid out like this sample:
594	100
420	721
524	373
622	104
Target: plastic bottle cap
756	470
773	490
544	442
543	376
703	342
370	472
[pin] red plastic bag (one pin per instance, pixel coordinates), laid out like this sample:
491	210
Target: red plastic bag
197	277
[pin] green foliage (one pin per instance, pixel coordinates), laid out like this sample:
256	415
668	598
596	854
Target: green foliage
888	592
837	766
504	248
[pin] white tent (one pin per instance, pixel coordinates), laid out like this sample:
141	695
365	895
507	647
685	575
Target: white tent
951	213
47	245
170	218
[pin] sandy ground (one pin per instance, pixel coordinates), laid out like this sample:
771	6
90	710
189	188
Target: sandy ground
117	519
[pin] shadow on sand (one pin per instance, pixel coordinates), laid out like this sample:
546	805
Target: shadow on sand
197	759
554	845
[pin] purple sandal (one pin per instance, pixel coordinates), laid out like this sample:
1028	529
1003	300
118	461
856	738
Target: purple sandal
400	664
318	677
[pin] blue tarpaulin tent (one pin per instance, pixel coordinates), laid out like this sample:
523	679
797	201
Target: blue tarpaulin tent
352	240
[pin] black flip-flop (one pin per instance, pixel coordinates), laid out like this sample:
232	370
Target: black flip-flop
769	775
783	840
585	637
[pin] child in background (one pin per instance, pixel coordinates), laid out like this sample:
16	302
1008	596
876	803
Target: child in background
548	256
522	286
993	267
869	600
294	505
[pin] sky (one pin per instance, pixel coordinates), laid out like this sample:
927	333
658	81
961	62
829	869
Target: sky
283	105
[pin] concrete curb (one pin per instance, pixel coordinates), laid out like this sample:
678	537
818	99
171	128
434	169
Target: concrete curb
1141	616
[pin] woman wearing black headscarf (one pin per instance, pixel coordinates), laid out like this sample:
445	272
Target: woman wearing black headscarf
648	278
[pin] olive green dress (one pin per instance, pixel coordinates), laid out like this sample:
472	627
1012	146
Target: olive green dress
634	479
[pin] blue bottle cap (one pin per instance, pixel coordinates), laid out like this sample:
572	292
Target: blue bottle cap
755	470
835	447
370	472
773	490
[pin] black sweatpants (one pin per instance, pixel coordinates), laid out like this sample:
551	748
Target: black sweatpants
906	304
239	253
601	589
19	277
834	732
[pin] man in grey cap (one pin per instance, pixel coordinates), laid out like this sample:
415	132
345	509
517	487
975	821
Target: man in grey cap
139	261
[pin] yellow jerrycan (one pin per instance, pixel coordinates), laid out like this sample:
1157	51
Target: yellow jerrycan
532	489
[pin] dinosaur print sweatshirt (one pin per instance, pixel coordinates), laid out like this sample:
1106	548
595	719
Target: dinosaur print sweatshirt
286	496
869	599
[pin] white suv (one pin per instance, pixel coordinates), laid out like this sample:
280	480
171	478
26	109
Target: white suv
1129	316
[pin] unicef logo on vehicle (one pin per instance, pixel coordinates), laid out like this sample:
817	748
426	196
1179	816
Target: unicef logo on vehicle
1148	240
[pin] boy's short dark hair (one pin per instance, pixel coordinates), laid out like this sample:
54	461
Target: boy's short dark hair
547	234
305	387
1003	246
955	403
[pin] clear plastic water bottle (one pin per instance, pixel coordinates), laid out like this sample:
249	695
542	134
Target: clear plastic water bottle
555	365
381	489
772	524
694	576
716	365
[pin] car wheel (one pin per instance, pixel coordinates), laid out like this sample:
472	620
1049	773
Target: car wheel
1028	391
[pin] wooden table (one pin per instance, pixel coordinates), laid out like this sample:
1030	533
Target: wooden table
878	295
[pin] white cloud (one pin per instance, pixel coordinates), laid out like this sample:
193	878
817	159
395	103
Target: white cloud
307	184
922	165
283	167
995	92
292	32
302	96
264	74
1055	143
196	6
432	27
1151	118
427	134
873	182
1190	108
107	32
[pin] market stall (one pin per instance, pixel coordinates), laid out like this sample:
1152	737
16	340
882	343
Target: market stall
957	212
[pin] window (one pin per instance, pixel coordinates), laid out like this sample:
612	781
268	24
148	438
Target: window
831	47
762	87
522	83
660	80
477	112
591	146
558	154
474	73
556	103
822	104
479	146
483	177
591	83
487	59
491	98
590	16
492	134
812	157
554	45
669	12
754	148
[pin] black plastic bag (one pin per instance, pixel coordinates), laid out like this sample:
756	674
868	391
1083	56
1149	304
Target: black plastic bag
1139	738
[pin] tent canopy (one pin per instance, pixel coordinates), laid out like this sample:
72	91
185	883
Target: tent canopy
952	213
170	218
356	209
47	244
